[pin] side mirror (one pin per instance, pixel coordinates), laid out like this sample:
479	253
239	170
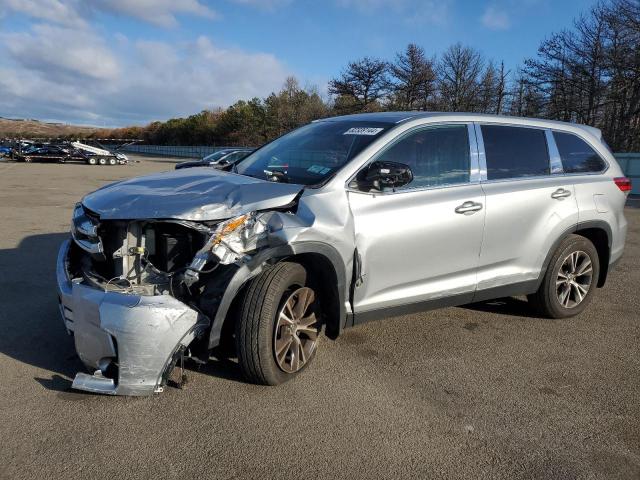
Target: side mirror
381	175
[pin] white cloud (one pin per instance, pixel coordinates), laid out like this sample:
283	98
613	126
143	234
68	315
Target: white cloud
63	12
77	13
159	12
495	19
62	53
71	75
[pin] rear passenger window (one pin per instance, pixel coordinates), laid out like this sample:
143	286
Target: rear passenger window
514	152
577	156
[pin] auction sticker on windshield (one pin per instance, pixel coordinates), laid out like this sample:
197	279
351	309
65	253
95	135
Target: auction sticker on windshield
363	131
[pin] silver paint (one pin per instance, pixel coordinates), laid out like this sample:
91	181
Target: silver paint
196	194
413	244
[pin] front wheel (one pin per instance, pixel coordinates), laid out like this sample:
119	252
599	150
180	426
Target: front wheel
278	328
570	280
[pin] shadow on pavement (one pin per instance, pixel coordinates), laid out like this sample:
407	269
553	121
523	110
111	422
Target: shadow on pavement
32	331
515	307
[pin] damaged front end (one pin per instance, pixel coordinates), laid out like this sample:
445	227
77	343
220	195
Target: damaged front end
139	294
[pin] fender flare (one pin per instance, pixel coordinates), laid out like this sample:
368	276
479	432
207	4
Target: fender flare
255	266
601	224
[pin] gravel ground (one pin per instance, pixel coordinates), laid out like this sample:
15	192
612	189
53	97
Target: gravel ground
483	391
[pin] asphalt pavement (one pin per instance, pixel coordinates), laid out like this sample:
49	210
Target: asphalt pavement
482	391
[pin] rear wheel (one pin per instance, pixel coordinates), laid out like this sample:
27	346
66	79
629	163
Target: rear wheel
278	328
570	280
102	161
92	161
27	160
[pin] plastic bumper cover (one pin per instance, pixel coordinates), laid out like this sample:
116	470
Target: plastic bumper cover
138	334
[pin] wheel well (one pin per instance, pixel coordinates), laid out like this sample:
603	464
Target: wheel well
322	277
600	240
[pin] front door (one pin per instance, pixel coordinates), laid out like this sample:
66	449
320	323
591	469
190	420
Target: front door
421	243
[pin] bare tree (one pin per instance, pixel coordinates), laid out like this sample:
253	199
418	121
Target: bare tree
591	73
459	72
361	85
412	79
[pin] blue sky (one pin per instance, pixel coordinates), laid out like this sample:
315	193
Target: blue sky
121	62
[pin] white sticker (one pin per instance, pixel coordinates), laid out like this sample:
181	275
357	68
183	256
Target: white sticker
363	131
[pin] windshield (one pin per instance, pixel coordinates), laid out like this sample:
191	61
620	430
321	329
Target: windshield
215	156
312	153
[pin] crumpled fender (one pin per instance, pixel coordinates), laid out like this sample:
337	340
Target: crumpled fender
253	268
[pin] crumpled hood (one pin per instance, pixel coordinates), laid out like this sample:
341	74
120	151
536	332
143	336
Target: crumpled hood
195	194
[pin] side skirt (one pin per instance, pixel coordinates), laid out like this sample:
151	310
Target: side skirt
522	288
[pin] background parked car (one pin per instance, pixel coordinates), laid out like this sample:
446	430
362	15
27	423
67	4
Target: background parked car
223	158
46	153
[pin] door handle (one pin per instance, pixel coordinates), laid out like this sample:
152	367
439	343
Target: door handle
561	193
468	207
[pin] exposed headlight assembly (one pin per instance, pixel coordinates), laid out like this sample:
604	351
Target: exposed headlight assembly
231	240
85	232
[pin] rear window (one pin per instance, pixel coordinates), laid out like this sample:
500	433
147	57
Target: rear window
514	152
576	154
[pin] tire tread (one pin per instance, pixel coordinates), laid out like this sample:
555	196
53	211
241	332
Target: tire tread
255	320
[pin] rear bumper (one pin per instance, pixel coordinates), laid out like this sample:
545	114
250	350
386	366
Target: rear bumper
128	340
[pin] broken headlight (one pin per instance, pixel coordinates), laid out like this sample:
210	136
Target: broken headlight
235	237
230	241
84	231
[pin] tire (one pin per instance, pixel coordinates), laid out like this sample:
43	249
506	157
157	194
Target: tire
113	161
92	161
102	161
569	282
27	160
260	329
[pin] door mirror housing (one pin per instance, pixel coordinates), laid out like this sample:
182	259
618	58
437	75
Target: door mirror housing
380	175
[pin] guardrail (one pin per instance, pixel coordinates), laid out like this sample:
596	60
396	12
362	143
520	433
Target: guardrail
630	164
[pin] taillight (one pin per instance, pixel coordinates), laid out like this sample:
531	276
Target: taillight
623	183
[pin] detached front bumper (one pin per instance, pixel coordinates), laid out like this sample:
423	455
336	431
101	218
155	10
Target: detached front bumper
128	340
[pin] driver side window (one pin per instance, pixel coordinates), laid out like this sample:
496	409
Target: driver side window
437	156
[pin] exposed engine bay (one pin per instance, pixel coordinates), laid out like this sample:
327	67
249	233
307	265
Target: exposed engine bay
160	257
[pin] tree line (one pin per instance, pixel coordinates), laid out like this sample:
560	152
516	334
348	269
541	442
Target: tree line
588	73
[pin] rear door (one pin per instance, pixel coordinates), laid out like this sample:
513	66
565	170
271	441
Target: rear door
527	207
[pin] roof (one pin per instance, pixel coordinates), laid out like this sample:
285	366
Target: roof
399	117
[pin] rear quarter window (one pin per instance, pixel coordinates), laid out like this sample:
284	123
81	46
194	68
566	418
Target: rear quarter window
514	152
576	154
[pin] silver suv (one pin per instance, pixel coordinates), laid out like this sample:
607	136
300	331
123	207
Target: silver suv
342	221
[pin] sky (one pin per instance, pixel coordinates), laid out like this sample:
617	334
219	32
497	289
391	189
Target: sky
128	62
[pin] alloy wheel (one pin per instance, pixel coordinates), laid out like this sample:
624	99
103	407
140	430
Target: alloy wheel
297	330
574	279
